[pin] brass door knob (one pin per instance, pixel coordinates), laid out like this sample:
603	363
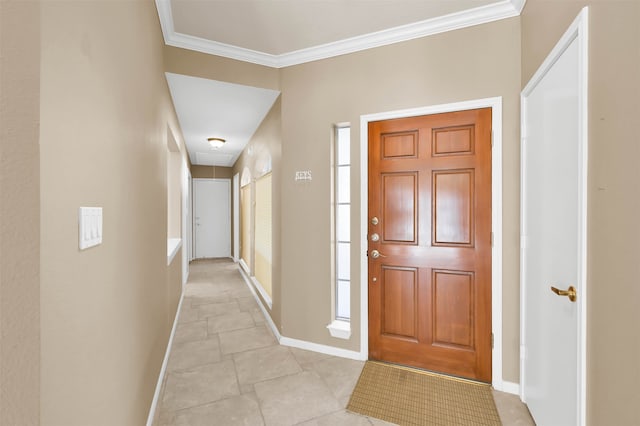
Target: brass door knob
570	292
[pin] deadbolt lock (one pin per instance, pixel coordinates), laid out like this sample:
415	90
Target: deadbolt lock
374	220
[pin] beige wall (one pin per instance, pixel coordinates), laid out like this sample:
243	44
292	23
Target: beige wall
104	108
478	62
211	172
196	64
19	213
106	312
614	206
174	194
267	143
473	63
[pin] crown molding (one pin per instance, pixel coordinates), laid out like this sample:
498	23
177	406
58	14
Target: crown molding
455	21
220	49
518	5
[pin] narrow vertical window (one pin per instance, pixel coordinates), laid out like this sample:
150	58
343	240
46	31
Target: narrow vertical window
343	222
341	214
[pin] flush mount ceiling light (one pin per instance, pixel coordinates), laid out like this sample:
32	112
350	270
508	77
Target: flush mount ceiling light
216	143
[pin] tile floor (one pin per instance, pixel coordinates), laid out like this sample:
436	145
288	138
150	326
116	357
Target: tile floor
226	367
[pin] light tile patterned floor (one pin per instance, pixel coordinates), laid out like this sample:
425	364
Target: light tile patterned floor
226	367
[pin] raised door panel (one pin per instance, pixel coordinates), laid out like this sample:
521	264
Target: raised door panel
453	208
458	140
399	302
399	145
399	207
453	309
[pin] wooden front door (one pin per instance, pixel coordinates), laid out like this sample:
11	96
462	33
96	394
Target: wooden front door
430	242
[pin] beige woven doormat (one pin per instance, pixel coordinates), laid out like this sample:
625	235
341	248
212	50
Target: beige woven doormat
413	397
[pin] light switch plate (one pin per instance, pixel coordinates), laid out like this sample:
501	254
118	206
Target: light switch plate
89	226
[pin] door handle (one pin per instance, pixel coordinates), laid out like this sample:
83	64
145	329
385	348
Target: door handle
376	254
570	292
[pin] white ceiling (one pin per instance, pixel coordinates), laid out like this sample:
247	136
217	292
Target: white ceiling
283	26
209	108
280	33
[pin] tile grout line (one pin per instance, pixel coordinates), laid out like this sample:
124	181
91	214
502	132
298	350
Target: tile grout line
206	403
251	393
233	358
320	416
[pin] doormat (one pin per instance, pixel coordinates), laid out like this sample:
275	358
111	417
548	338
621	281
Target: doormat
414	397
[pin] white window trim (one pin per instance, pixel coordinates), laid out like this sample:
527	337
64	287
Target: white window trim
340	329
173	245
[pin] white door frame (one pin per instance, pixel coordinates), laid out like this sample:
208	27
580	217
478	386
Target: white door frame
236	217
579	31
186	221
191	230
496	222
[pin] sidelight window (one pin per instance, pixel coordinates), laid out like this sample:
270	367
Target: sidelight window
342	232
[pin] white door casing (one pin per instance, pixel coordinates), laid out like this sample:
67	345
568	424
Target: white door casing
212	218
186	221
190	227
553	232
236	217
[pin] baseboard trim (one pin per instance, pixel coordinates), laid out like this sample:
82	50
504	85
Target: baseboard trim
163	369
511	387
249	282
323	349
295	343
243	264
258	286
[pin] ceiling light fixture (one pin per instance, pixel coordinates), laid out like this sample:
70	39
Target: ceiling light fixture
216	143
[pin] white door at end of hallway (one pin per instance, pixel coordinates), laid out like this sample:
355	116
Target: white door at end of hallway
212	218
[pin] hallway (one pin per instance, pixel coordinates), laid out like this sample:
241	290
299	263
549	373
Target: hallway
226	367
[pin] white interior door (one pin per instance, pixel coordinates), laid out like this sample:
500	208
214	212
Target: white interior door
553	229
212	218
